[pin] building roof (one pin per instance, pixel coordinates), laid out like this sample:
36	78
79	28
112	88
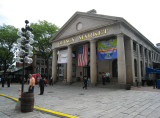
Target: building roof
15	70
102	17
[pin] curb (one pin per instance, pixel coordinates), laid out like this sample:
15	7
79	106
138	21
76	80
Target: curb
51	112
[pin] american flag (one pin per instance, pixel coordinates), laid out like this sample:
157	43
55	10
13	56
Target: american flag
83	55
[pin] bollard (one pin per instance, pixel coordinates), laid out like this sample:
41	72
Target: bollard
20	91
18	105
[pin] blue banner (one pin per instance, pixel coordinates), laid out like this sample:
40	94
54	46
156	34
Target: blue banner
107	49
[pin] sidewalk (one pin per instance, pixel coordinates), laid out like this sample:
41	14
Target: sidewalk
92	103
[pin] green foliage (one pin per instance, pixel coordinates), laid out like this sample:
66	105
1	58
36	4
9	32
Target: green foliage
43	31
8	36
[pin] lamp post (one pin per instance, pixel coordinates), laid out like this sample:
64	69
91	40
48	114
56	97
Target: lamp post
24	47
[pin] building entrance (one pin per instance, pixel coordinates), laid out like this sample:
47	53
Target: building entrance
86	71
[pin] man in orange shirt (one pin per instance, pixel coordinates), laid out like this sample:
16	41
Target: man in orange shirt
31	84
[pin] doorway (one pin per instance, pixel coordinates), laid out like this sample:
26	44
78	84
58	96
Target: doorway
86	71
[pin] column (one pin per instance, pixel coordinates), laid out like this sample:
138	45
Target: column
69	65
129	60
148	58
121	59
139	64
93	62
65	73
54	65
144	60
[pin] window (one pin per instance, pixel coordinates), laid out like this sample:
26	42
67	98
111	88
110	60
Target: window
46	70
134	46
145	52
38	62
150	55
42	70
37	70
42	62
74	54
141	49
38	56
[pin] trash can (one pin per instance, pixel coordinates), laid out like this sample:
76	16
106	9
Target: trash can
27	102
158	83
128	87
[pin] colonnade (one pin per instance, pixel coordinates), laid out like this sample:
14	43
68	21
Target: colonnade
93	62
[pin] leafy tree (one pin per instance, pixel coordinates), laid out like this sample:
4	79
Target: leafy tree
8	36
43	31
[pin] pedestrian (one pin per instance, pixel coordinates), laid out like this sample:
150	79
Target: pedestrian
45	81
41	85
8	82
31	84
28	80
103	78
51	80
89	81
85	79
3	81
108	77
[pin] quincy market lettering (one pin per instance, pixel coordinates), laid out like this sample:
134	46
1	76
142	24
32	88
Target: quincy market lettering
84	36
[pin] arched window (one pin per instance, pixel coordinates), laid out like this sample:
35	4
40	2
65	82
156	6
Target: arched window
114	68
135	67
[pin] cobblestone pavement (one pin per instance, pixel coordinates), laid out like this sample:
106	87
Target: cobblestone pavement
95	102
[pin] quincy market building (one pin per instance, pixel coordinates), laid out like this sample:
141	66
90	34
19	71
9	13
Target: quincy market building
113	46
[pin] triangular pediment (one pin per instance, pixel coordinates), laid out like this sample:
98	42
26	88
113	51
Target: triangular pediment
81	22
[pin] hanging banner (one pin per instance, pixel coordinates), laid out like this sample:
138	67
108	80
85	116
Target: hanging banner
107	49
62	56
82	55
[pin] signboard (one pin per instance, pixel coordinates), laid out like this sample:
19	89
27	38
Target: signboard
107	49
62	56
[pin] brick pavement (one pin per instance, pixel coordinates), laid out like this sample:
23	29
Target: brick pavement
95	102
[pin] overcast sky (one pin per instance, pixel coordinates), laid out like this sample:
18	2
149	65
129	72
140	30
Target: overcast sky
144	15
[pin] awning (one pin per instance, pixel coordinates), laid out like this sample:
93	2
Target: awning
151	70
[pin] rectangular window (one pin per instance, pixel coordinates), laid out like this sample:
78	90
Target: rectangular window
134	46
140	47
38	62
42	62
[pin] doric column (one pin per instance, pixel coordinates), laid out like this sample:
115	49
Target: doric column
148	58
54	65
121	59
129	60
65	73
144	60
69	65
93	62
138	63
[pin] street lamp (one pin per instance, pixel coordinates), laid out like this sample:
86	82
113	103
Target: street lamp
24	47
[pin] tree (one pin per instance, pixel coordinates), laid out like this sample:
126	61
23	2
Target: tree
8	36
43	31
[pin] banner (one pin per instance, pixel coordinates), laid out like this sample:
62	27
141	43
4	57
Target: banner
82	55
62	56
107	49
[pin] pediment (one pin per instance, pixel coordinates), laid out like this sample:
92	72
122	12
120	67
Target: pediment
81	22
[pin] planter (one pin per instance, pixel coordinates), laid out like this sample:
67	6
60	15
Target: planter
27	102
